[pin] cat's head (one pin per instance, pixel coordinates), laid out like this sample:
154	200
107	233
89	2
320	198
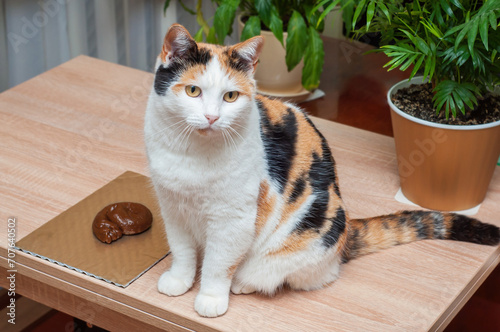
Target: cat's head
208	88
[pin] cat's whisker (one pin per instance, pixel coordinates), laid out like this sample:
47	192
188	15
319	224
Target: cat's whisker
231	139
180	137
173	127
224	135
185	142
244	128
236	132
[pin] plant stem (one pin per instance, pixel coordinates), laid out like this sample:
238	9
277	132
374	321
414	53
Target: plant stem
200	19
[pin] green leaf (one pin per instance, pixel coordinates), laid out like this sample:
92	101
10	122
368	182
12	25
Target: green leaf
432	28
433	67
463	55
370	10
276	24
450	102
198	37
264	9
453	95
453	30
409	35
165	6
493	20
458	101
296	42
357	12
398	61
325	12
224	17
462	34
384	10
427	70
417	66
321	4
483	32
211	37
458	4
446	7
422	46
251	28
313	60
347	12
408	62
477	61
471	36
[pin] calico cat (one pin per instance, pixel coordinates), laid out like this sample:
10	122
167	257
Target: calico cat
250	183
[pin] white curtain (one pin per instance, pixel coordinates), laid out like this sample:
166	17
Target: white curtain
36	36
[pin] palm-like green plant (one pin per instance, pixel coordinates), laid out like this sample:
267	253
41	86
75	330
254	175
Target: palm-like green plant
303	20
455	43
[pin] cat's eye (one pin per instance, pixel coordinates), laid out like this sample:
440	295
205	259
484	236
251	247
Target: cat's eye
193	91
231	96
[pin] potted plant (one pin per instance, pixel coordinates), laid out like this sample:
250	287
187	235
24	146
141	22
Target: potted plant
296	25
447	124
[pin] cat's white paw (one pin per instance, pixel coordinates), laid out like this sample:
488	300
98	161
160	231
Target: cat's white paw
211	305
173	286
237	288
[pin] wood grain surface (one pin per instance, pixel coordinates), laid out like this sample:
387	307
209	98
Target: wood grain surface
73	129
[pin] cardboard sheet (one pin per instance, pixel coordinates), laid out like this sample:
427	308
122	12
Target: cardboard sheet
68	239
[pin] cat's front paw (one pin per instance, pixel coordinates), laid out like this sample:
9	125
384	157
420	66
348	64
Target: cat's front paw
238	288
173	286
207	305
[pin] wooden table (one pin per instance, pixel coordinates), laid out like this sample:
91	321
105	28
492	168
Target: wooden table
71	130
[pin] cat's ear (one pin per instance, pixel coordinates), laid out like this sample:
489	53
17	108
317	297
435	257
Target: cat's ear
249	51
177	43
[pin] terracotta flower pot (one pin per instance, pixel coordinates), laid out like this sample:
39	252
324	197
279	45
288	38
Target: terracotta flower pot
443	167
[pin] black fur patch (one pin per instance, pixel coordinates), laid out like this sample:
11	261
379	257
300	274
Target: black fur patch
338	226
327	160
472	230
422	228
237	63
298	189
354	245
321	176
166	75
414	219
316	216
279	145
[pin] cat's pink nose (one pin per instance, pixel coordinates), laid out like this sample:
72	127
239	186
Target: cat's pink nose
211	118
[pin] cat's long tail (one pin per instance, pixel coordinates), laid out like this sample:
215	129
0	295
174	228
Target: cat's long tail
370	235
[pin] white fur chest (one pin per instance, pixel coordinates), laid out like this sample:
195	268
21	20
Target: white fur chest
206	183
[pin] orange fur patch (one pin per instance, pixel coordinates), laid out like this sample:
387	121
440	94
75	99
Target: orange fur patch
232	269
308	143
243	84
342	241
290	208
265	206
447	221
275	108
296	242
